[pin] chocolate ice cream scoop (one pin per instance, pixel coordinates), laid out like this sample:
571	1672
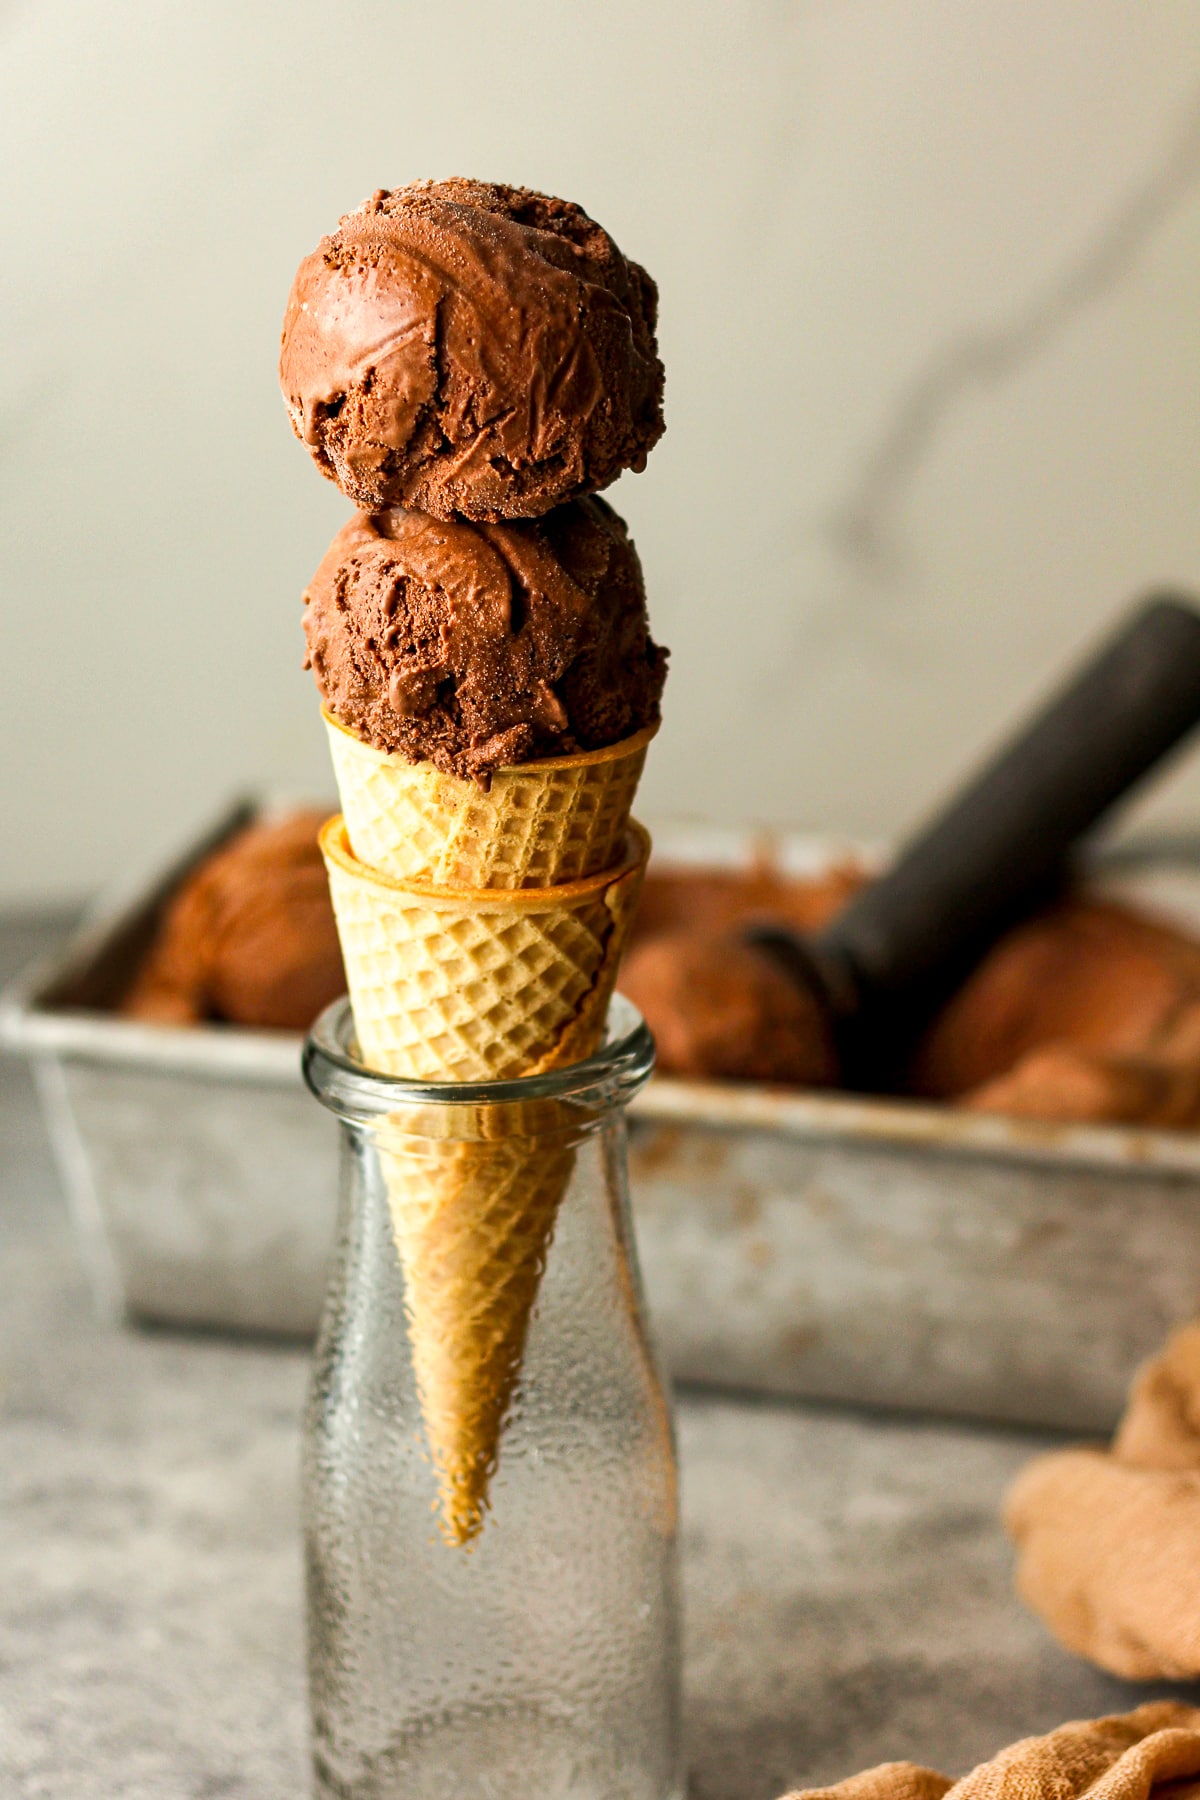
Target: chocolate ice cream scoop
477	646
1086	973
249	938
718	1007
878	971
471	350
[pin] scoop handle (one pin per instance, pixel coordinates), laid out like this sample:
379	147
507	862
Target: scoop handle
903	941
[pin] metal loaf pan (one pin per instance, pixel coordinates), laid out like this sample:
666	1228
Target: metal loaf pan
848	1249
202	1179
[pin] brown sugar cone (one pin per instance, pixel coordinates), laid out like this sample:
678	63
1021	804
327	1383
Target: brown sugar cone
476	987
538	824
479	985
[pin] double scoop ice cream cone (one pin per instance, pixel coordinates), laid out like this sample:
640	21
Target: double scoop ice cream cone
486	355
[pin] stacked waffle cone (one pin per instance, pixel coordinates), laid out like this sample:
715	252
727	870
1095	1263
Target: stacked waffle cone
473	984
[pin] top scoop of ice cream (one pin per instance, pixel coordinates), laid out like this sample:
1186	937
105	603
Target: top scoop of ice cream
479	646
471	350
249	937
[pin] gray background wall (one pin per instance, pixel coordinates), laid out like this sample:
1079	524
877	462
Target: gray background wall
930	275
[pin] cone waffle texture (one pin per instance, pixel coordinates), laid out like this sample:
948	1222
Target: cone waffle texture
484	985
473	1223
537	825
449	984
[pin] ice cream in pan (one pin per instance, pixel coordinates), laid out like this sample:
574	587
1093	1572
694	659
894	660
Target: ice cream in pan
471	363
248	939
851	1000
1084	1011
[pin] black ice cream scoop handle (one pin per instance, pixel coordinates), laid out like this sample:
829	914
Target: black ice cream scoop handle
908	938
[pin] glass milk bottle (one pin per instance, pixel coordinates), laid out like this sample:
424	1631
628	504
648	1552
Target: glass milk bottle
489	1469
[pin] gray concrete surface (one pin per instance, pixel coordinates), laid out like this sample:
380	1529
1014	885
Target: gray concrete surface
848	1587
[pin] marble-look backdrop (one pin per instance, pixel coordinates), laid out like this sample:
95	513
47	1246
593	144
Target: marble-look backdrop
930	280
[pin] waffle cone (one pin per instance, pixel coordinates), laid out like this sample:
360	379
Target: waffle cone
538	824
454	984
473	1222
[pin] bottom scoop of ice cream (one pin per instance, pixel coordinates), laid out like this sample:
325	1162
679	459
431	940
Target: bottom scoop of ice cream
479	646
249	937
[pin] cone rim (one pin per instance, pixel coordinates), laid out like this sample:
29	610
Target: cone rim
334	839
544	765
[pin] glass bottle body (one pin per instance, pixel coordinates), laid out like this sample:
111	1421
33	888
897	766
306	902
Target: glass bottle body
539	1657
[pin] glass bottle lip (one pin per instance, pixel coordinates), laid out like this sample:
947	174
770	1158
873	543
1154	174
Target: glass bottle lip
610	1077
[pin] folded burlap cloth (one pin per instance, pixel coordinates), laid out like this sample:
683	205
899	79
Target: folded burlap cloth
1129	1757
1109	1540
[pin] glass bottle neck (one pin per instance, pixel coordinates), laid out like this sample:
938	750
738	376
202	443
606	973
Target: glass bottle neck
562	1102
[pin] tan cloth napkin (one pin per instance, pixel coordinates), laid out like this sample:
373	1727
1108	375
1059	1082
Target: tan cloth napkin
1109	1541
1128	1757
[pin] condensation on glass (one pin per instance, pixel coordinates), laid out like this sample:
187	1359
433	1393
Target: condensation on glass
491	1545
